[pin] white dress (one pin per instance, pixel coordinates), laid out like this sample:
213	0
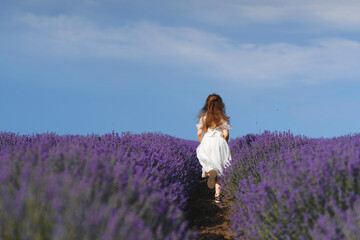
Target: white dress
213	151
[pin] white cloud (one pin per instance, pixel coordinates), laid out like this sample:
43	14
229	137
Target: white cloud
326	13
275	64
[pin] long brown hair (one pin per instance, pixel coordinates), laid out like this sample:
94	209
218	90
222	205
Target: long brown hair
214	110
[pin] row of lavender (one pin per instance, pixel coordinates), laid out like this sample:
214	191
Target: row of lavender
96	187
294	187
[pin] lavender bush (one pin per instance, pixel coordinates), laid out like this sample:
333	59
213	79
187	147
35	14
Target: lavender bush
288	187
96	187
252	151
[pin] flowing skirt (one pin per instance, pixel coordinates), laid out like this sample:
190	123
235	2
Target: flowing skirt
213	153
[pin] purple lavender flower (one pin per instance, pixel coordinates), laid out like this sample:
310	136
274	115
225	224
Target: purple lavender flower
96	187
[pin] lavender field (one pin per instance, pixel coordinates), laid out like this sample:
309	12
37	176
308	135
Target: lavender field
137	186
95	187
294	187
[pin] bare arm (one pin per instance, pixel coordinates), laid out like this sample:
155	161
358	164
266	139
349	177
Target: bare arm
200	134
226	135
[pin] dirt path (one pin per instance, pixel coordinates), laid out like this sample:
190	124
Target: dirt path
211	220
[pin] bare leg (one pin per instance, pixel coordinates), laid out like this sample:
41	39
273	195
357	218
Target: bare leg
217	189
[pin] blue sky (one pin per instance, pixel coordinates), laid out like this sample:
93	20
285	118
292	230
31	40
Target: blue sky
87	66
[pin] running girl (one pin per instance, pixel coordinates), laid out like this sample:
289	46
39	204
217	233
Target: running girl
213	152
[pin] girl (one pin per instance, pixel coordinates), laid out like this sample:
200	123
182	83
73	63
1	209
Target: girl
213	152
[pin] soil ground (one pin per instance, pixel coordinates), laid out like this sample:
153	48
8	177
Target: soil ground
211	220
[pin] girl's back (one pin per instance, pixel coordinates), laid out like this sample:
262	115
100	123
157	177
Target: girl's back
213	151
